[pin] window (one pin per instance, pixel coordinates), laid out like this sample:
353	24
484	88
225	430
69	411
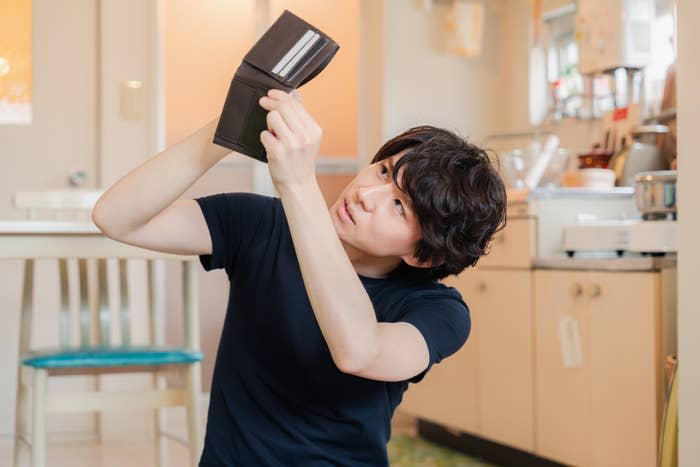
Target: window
16	62
569	94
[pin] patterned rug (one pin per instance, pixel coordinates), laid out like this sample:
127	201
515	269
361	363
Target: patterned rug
407	451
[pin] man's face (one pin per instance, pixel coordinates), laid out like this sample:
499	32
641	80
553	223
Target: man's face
373	216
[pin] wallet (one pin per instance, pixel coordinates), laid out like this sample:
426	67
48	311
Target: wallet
288	55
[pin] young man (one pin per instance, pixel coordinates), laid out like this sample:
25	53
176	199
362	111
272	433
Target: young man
332	312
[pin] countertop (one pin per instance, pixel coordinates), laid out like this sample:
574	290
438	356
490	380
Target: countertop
48	227
523	196
626	263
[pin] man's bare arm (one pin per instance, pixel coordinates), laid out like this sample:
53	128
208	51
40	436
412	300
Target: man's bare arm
143	209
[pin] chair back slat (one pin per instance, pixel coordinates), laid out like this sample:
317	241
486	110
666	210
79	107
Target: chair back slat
190	304
155	278
94	291
64	313
124	313
27	306
104	313
84	314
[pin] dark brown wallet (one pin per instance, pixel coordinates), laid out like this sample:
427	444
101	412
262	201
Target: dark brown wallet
288	55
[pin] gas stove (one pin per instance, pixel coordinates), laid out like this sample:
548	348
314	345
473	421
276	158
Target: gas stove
646	237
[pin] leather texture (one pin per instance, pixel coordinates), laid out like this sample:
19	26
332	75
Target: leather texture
287	56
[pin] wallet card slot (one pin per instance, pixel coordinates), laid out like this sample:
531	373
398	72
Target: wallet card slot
310	55
293	51
301	54
319	68
279	40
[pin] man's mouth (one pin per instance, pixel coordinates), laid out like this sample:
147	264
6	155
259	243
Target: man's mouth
347	210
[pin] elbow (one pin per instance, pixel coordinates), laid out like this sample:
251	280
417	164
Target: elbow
99	220
96	218
356	364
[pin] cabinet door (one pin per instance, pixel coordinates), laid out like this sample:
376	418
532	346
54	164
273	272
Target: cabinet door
603	410
448	393
626	398
514	246
562	386
503	299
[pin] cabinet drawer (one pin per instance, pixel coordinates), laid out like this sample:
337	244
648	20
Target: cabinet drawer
513	246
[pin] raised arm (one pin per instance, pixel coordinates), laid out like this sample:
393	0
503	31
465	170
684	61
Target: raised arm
143	208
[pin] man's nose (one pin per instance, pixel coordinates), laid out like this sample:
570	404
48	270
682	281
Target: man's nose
370	196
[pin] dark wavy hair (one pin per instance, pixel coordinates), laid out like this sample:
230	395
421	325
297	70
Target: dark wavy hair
456	194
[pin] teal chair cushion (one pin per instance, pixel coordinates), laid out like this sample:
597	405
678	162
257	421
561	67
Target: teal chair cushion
110	357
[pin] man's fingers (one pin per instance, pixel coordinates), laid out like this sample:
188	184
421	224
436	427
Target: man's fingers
295	116
278	94
276	123
268	103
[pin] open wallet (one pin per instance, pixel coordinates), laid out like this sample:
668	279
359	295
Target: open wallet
288	55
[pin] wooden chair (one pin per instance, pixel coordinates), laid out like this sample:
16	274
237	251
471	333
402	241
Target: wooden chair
95	350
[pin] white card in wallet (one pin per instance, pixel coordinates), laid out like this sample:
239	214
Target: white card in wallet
300	55
293	51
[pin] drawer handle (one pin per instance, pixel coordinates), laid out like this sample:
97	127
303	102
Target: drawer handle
481	287
575	290
593	290
501	238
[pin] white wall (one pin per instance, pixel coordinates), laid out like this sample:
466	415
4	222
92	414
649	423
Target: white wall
422	84
688	99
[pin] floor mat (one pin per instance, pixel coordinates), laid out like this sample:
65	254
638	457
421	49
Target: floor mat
408	451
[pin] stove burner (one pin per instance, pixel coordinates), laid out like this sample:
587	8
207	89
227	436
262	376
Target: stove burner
659	216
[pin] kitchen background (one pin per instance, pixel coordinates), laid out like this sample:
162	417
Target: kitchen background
110	83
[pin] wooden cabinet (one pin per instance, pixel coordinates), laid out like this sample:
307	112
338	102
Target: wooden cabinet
505	355
448	393
598	379
487	387
514	246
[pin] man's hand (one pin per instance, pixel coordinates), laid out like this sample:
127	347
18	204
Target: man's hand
291	140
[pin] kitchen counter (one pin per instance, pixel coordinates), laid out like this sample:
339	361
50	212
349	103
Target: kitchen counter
52	239
626	263
49	227
522	196
564	192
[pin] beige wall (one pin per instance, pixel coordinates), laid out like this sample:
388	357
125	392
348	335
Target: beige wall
332	97
689	226
205	42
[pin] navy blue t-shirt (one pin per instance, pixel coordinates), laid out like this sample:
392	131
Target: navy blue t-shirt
277	398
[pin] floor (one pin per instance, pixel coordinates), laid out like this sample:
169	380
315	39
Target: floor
405	450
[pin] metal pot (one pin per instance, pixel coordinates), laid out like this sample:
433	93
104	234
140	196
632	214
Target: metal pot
655	193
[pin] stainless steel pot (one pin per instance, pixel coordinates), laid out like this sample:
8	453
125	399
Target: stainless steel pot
655	193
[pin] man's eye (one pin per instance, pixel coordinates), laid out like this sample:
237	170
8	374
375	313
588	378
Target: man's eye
398	203
384	170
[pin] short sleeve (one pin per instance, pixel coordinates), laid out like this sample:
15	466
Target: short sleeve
233	220
444	322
